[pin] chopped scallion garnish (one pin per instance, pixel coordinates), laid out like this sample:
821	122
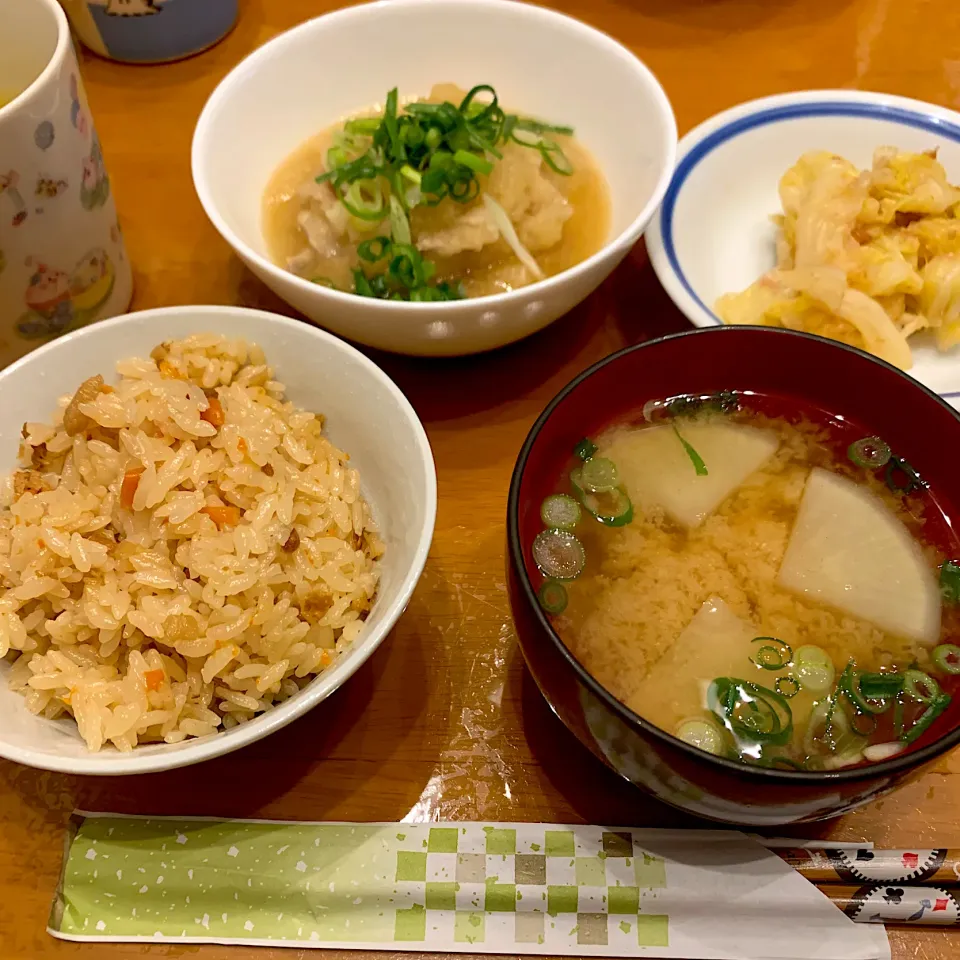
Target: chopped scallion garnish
560	512
612	508
870	452
920	686
902	478
703	734
880	686
553	597
787	686
950	582
749	711
773	655
599	475
440	148
559	554
871	702
813	669
698	465
934	709
947	657
585	449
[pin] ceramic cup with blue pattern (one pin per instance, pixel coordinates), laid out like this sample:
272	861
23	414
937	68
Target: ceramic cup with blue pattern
150	31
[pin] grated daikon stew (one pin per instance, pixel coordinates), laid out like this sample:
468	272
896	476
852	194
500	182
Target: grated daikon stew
774	589
437	199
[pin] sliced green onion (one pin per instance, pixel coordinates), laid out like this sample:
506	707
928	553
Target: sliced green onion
585	449
399	224
854	692
471	160
863	724
773	655
361	207
553	597
362	126
407	171
560	512
934	709
950	582
698	465
525	137
612	508
554	157
374	249
913	481
880	686
538	126
947	657
826	728
336	157
559	554
750	711
920	686
703	734
870	452
813	669
830	721
599	475
787	686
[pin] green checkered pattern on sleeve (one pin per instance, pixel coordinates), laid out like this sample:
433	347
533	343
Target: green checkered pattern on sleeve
552	887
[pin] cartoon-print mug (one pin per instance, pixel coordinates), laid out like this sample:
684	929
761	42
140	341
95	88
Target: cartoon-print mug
62	258
150	31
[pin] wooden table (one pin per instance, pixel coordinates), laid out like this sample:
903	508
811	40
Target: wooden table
444	722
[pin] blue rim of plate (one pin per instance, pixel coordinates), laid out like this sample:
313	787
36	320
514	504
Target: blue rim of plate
793	111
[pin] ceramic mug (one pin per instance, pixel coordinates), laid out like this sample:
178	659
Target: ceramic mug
62	259
150	31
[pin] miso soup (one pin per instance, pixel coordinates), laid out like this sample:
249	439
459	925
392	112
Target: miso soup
772	587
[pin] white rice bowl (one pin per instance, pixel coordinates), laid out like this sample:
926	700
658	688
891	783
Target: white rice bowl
182	549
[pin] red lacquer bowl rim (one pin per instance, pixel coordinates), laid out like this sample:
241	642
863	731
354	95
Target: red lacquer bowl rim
768	775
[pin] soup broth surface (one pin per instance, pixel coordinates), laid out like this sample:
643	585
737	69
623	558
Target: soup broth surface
669	611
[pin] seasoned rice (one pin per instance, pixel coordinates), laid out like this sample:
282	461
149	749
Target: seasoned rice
179	551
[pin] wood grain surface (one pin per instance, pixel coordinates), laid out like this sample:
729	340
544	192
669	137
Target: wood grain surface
444	722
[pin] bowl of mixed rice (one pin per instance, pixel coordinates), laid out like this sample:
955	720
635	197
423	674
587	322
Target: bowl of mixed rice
209	518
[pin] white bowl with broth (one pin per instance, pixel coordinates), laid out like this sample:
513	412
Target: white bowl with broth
366	415
617	108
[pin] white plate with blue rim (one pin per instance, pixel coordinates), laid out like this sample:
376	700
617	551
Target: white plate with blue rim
713	234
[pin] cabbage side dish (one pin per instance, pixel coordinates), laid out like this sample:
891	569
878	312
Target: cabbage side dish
776	590
437	199
870	257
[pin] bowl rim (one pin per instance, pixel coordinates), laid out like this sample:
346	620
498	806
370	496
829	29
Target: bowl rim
696	146
768	775
620	244
61	51
106	763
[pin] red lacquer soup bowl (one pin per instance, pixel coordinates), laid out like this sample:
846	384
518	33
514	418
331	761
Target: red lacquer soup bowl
796	372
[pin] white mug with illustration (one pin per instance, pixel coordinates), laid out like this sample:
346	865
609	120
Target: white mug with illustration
62	258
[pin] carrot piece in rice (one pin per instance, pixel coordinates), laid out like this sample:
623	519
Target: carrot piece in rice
128	488
214	414
154	679
223	516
